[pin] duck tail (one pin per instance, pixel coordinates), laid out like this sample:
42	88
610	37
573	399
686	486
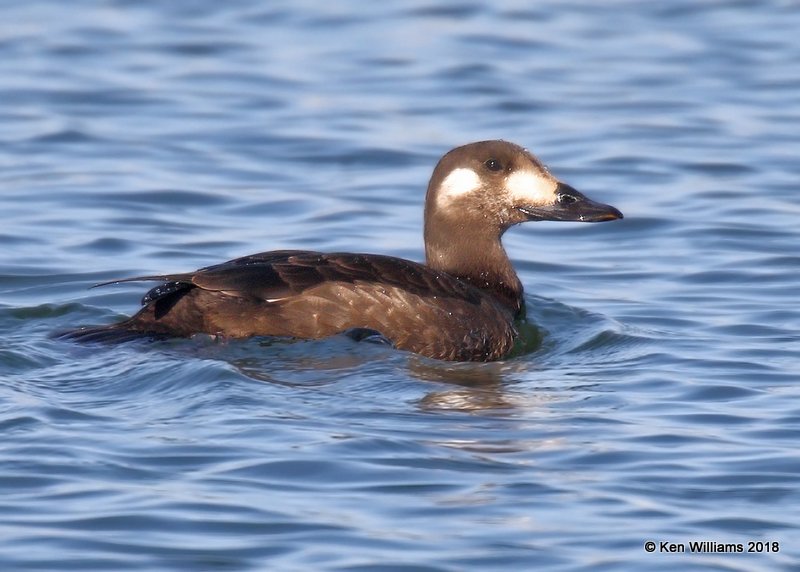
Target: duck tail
101	334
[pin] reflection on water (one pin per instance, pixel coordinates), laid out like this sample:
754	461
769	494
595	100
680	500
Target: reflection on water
310	363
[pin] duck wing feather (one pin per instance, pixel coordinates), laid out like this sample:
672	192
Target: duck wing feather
277	275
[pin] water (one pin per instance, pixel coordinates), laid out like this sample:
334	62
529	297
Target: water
662	405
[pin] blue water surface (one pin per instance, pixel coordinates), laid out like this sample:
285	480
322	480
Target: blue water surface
662	403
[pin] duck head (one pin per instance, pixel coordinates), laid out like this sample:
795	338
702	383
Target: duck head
504	184
477	192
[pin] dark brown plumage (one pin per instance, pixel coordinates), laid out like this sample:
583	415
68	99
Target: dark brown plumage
460	306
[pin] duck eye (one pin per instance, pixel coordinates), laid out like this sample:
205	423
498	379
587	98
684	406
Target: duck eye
566	199
493	165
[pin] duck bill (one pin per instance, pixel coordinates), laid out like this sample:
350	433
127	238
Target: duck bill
572	205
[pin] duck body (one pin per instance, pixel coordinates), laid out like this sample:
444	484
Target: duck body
459	306
304	294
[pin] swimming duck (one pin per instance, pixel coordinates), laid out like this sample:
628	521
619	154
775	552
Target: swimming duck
460	305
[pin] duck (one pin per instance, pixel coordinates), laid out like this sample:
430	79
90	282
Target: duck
461	304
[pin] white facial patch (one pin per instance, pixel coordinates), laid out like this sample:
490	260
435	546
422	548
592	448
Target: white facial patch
532	188
459	182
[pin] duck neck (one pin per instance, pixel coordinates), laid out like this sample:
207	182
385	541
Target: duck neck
477	259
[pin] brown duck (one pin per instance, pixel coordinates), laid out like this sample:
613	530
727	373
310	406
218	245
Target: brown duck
460	305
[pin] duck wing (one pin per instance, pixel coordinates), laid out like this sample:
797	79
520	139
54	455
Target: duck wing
277	275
